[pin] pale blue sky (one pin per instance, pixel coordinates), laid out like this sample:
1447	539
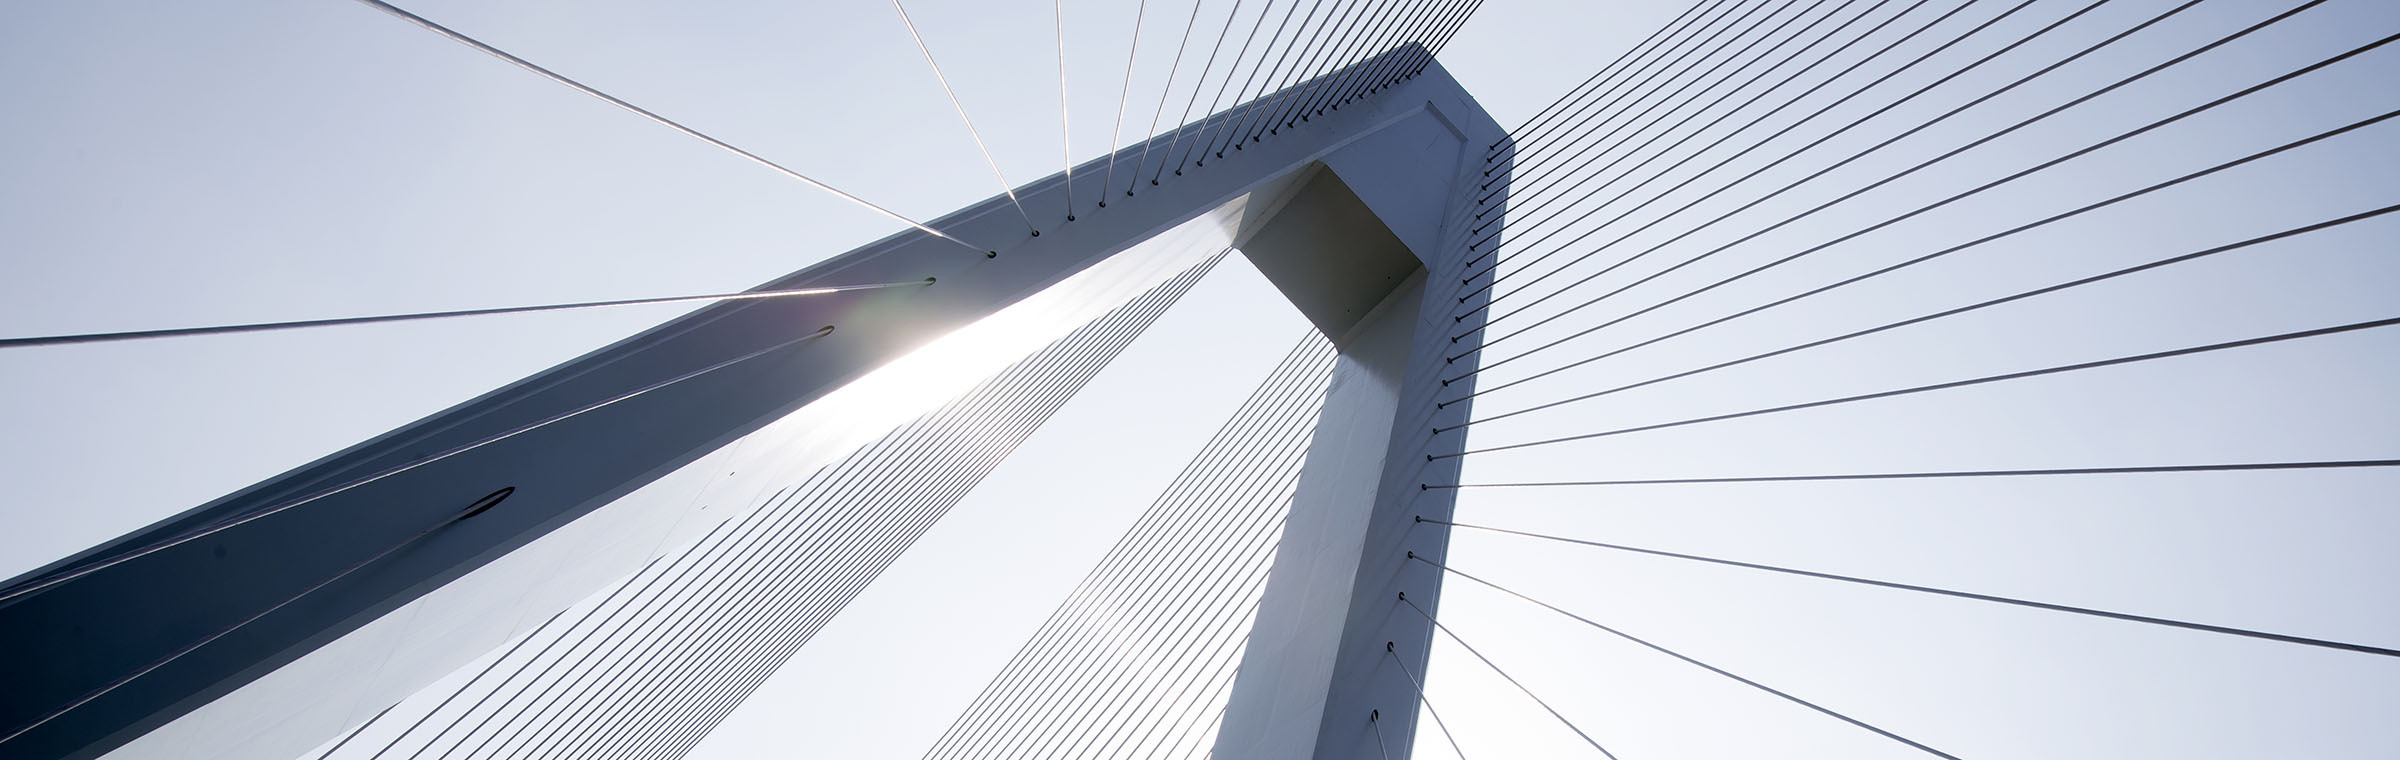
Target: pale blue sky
174	164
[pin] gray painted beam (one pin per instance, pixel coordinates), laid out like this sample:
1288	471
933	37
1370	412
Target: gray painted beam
1316	664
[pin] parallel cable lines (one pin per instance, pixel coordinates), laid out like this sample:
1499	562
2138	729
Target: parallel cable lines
1322	45
695	635
1670	653
1787	221
1951	199
353	734
2227	630
1336	52
1375	51
1240	116
1854	93
1788	102
1300	55
1124	91
1005	188
1601	126
1722	113
720	554
981	440
1347	49
1224	125
1006	425
1449	31
1208	117
2338	131
551	642
1915	389
1570	102
1692	73
1885	327
181	332
1382	51
2136	469
1419	685
1066	137
1398	48
118	557
1622	91
527	638
613	100
1565	175
1163	91
1512	680
1147	643
1198	83
1214	484
1335	64
1420	48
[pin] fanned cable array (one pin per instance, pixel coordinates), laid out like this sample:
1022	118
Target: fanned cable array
1959	210
1138	660
1337	52
1315	56
657	660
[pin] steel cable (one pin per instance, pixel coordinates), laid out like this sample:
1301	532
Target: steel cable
1921	165
1223	84
2227	630
1377	52
925	510
2036	224
1542	190
1355	48
36	584
1836	132
1147	542
1677	655
1673	30
1066	139
1308	72
479	45
1336	50
1611	101
1533	171
1979	305
1303	70
1075	694
2155	355
180	332
1762	117
1177	506
1419	687
1198	83
1005	188
1123	92
1163	92
1232	135
1512	680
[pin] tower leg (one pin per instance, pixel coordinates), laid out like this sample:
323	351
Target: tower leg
1331	634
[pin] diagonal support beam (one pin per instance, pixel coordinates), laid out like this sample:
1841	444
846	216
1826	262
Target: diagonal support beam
212	608
1370	251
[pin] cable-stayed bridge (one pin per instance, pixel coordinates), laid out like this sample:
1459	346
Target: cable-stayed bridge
2002	286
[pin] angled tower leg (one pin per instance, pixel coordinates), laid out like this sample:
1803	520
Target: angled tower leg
1371	250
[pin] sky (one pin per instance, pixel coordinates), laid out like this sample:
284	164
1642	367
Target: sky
175	165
